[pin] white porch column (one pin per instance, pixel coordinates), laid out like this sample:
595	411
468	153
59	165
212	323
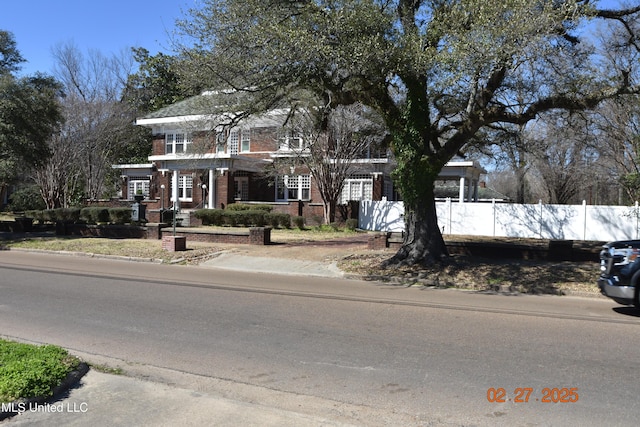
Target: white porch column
174	190
461	191
212	189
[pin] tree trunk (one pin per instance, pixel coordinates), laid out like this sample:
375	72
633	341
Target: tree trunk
423	243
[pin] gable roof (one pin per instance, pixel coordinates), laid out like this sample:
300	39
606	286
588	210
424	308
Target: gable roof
186	107
210	109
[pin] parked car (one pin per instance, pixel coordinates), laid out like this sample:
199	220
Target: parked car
620	272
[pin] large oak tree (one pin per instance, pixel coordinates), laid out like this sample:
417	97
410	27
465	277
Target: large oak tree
437	71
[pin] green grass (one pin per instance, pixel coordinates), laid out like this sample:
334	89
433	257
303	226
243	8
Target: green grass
28	371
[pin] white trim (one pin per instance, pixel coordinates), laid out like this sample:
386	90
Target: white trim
133	166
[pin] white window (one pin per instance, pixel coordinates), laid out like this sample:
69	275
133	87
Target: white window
292	141
357	187
177	142
137	186
293	187
185	188
245	141
234	142
220	145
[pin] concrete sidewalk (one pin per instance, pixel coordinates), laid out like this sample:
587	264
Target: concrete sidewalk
272	265
103	399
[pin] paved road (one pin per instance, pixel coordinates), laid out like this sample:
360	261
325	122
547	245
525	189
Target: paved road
326	346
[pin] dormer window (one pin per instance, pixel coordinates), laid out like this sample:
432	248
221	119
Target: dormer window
177	142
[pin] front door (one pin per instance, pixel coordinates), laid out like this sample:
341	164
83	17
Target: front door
241	190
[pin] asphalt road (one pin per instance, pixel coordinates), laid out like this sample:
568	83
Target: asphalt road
432	357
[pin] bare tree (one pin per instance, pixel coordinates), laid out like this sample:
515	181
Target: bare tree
618	144
558	151
332	142
59	179
97	120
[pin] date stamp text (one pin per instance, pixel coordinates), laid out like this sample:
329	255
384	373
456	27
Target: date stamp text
527	394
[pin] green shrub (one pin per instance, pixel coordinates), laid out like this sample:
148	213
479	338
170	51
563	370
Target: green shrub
38	216
253	218
245	207
272	219
282	220
26	198
230	218
234	207
298	221
65	214
49	215
351	224
265	208
210	216
120	215
95	214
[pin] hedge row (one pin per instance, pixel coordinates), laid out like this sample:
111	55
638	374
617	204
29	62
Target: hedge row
246	207
89	215
246	218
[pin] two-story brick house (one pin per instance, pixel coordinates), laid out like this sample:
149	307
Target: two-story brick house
202	164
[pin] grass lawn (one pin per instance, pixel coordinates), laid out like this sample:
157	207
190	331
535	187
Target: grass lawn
152	249
28	371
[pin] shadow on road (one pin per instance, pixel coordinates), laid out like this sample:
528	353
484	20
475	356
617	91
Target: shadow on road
627	311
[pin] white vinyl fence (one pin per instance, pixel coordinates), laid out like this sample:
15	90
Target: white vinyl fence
570	222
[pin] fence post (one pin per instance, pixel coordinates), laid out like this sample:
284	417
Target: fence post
540	220
636	212
449	214
493	206
584	211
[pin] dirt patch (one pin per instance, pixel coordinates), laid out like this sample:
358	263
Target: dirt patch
515	276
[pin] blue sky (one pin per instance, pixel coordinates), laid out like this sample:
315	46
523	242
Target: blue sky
107	26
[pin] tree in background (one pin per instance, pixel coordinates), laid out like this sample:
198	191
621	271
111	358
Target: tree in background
98	130
437	72
618	144
561	158
10	58
29	115
157	82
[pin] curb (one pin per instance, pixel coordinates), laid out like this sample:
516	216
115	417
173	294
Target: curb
90	255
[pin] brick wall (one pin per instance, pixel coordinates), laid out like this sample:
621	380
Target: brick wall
254	236
377	241
157	145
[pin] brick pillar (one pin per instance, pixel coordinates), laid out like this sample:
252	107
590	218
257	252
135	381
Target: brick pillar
378	187
378	241
224	190
260	235
174	243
